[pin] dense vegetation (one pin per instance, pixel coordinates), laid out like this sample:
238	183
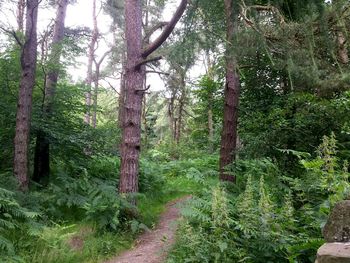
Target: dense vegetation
289	163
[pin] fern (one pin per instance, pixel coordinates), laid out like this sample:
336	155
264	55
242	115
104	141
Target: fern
13	219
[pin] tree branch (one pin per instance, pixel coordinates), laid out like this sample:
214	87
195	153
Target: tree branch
167	30
111	86
157	72
153	29
143	90
14	34
98	63
145	61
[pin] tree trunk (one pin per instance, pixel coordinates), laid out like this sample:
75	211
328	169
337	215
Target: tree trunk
42	147
91	54
210	106
20	15
210	128
181	107
122	92
144	119
24	106
342	48
134	77
230	121
172	121
96	83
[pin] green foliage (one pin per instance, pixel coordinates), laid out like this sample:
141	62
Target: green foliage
272	218
15	221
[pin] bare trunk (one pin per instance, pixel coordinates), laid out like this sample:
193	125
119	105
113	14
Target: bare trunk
229	129
210	129
24	106
172	121
181	108
42	147
210	107
93	41
21	5
122	92
144	120
134	77
96	83
342	48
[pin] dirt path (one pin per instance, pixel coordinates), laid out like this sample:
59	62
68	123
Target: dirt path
153	245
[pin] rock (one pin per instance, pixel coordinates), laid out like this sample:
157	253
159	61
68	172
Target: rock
337	228
334	253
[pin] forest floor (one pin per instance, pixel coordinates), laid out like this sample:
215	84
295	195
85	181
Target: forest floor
153	245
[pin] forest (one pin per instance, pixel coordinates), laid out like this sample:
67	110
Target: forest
207	130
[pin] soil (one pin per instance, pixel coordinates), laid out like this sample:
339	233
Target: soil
153	245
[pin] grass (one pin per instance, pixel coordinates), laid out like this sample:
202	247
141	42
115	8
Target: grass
152	206
52	245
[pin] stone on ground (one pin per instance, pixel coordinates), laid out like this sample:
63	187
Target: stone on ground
334	253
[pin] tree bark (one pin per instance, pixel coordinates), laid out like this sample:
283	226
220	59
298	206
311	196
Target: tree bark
121	99
20	15
210	128
134	77
181	107
91	55
171	109
342	48
24	106
134	91
144	118
96	85
232	87
210	105
42	147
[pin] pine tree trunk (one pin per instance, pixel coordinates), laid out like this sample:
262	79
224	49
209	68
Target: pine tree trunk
134	77
91	54
230	122
172	121
134	92
24	106
144	118
42	147
210	128
210	106
96	84
342	48
122	92
20	15
181	108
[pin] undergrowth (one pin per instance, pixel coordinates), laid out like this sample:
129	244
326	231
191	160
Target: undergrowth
79	217
268	216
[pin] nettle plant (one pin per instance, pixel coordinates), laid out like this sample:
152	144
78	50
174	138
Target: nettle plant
325	180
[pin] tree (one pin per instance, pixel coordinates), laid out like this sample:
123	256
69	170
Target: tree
96	78
136	59
42	147
91	56
24	106
232	87
20	14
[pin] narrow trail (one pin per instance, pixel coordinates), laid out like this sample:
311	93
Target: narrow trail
152	246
